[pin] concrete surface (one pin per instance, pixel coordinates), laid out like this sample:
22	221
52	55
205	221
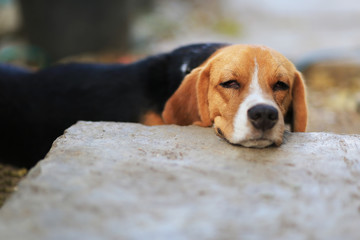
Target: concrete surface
128	181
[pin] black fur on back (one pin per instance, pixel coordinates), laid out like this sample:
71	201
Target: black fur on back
37	107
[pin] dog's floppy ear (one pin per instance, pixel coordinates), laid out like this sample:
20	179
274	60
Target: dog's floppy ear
299	105
189	104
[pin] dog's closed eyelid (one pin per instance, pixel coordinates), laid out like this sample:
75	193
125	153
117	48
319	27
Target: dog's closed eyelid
280	86
230	84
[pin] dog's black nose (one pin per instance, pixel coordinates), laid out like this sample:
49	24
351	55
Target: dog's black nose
263	116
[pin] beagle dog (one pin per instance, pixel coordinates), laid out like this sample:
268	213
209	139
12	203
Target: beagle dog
247	93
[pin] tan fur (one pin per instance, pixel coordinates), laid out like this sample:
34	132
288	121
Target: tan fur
189	104
299	104
151	119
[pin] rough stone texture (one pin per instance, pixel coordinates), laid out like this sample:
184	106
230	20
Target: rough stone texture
128	181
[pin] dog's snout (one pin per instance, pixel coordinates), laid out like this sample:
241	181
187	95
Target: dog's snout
263	116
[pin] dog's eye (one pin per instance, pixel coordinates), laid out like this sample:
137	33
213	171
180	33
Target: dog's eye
279	85
230	84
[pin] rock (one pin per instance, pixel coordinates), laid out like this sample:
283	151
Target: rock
129	181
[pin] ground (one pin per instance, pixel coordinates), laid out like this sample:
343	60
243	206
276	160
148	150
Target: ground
334	97
9	178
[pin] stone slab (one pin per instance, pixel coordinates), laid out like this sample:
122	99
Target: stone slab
129	181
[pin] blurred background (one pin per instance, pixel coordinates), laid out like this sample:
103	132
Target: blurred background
322	37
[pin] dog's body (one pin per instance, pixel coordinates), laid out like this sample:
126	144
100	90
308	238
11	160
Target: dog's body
37	107
163	89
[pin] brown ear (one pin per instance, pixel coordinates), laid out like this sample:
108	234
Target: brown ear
299	105
189	104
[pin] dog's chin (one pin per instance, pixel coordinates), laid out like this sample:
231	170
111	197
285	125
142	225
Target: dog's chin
256	143
260	141
253	143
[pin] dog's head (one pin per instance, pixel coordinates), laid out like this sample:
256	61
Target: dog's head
245	92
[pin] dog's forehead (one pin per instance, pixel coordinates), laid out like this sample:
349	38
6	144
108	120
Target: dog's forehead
246	57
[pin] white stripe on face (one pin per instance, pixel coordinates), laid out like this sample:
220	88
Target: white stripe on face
242	127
